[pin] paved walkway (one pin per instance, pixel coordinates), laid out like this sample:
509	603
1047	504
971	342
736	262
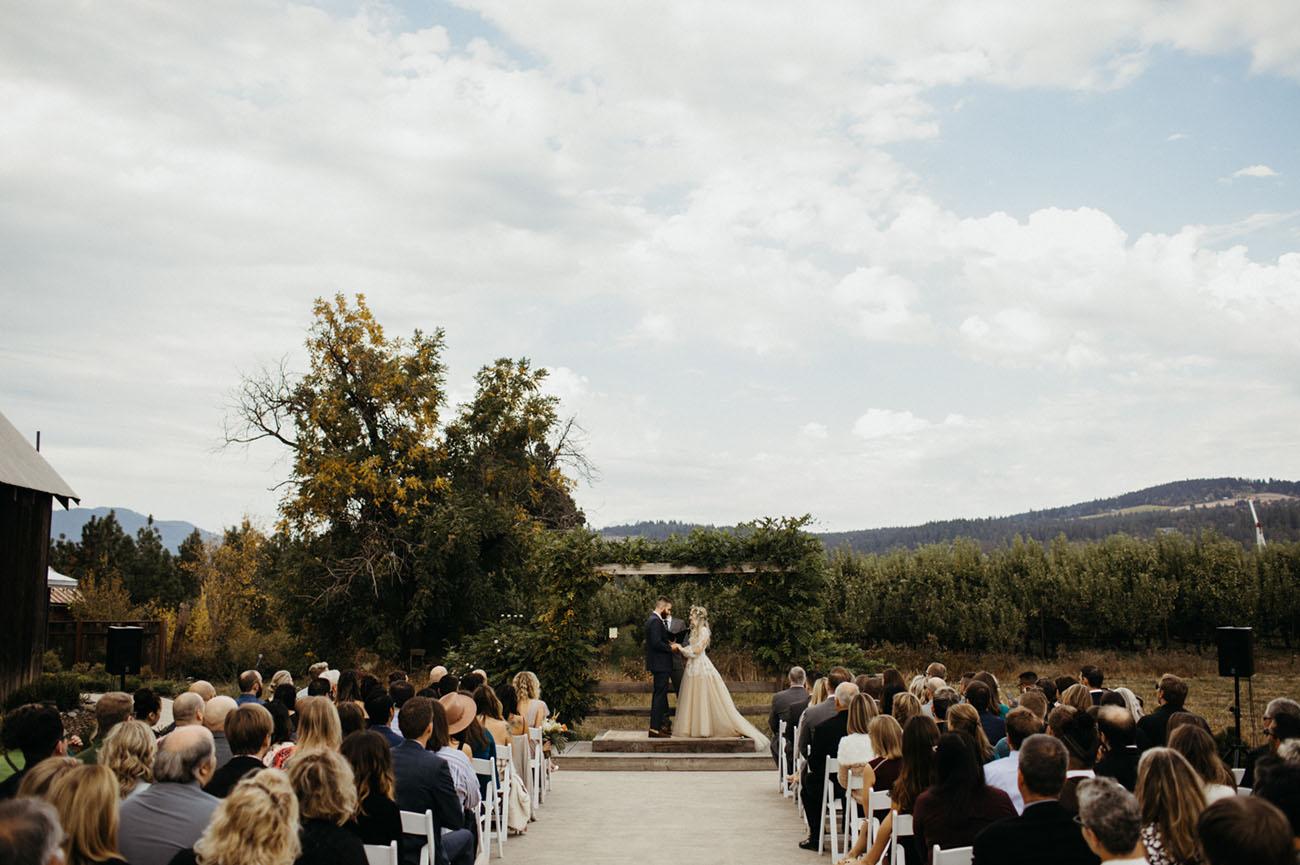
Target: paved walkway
682	818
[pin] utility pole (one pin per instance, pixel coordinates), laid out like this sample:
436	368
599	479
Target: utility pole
1259	527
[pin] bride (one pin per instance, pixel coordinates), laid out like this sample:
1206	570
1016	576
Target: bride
704	705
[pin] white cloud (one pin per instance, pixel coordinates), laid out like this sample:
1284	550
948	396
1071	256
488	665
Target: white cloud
815	431
1177	136
880	423
1255	171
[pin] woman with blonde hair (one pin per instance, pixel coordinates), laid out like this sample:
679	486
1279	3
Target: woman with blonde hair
128	750
1170	795
528	690
965	718
319	729
37	780
906	707
281	677
820	691
86	799
327	801
856	750
257	824
1077	696
1198	747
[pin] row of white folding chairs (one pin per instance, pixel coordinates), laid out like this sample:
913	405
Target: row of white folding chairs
494	808
877	800
539	768
782	764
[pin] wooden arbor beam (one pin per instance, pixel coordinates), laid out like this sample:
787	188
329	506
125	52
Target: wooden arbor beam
668	569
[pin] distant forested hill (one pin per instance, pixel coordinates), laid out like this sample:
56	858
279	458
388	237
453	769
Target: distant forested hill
1183	506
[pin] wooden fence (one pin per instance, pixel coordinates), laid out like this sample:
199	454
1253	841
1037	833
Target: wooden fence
87	642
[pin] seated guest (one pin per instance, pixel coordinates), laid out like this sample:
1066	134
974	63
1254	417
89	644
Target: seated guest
915	776
529	691
257	824
450	717
450	684
964	718
821	707
377	820
1169	791
887	743
281	679
327	801
1245	829
146	706
874	688
1077	696
793	698
187	709
826	738
1048	687
990	681
286	695
424	783
1091	678
856	750
86	799
1178	719
320	686
1170	697
171	815
352	717
214	718
977	694
936	670
1002	773
932	687
489	714
367	684
473	739
281	729
348	688
38	780
1203	755
396	676
1079	735
1063	684
248	730
1045	833
1112	822
470	683
129	752
314	672
510	709
959	805
36	730
944	699
400	692
435	676
204	689
110	710
906	707
1281	722
379	717
1117	732
1278	782
894	685
1132	702
1034	701
30	833
1027	680
250	687
318	730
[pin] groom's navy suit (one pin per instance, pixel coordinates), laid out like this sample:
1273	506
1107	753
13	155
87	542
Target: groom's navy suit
659	661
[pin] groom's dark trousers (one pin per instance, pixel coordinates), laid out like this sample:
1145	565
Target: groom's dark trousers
658	661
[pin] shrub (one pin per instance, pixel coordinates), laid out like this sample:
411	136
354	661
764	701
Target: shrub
62	689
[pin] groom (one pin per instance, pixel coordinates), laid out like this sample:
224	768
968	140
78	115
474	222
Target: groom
659	661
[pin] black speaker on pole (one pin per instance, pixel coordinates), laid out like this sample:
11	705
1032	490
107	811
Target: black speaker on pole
125	648
1236	652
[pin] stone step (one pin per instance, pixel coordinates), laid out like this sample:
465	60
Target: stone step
768	687
579	757
639	742
644	711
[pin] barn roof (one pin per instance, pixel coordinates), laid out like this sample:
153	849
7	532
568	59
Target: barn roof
21	466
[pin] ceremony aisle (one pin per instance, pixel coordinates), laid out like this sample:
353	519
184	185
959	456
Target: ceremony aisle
686	818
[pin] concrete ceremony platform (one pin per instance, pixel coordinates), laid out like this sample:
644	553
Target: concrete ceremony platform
635	751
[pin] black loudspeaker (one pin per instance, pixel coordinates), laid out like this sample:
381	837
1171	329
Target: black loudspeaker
1236	651
125	646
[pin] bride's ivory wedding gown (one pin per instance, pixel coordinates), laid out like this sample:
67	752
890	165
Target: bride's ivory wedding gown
704	705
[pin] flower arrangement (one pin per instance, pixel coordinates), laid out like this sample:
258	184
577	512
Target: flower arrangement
555	733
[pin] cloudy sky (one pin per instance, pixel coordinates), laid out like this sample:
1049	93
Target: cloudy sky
873	261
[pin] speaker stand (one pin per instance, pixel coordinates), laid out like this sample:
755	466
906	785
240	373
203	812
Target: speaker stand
1238	749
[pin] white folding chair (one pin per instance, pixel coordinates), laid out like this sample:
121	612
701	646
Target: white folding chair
797	769
852	822
901	828
1239	775
535	759
378	854
1243	791
487	806
830	809
505	789
415	823
954	856
783	782
876	800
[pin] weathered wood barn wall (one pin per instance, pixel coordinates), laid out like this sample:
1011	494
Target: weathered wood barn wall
28	488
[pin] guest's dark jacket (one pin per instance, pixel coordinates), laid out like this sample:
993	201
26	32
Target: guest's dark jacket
1045	834
826	739
225	778
1122	765
424	783
783	703
381	822
392	737
935	821
324	842
994	727
1153	728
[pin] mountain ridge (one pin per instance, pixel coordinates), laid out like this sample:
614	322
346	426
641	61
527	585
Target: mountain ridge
68	524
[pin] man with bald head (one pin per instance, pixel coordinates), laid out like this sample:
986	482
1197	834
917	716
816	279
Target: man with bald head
171	815
436	675
204	689
214	718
